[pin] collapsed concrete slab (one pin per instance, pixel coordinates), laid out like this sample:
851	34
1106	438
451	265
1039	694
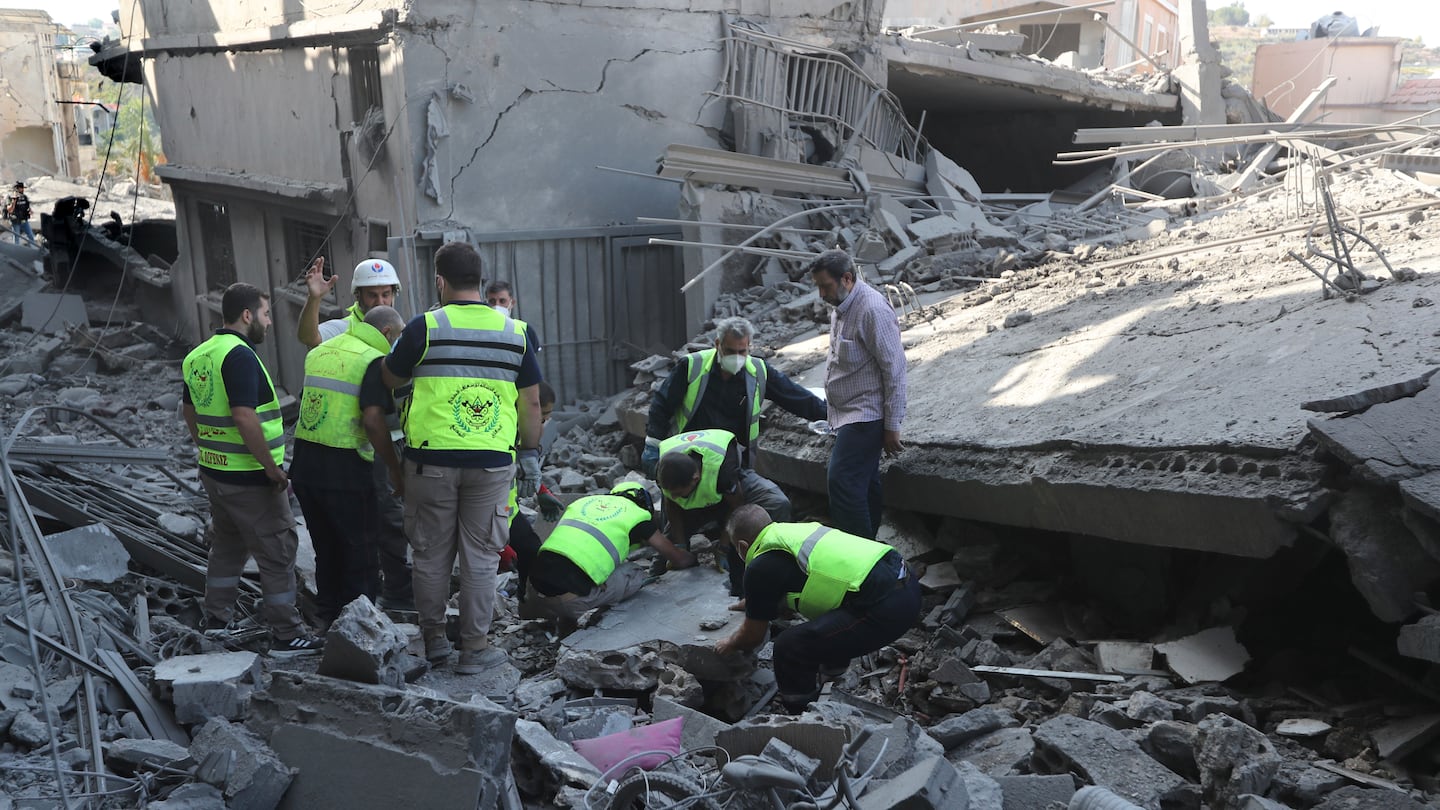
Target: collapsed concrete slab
695	605
1106	757
360	746
209	685
247	771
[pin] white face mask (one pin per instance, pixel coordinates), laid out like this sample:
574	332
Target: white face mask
502	310
732	363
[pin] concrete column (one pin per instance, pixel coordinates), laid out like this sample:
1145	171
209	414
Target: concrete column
1199	71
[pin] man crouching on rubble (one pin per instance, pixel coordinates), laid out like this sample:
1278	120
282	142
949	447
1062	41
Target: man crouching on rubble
234	419
582	565
856	593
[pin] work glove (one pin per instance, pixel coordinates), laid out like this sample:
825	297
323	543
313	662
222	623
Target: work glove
507	559
650	457
550	506
528	481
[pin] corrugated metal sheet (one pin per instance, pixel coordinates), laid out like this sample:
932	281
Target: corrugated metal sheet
598	298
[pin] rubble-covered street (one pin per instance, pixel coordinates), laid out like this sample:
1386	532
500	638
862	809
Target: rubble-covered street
1168	485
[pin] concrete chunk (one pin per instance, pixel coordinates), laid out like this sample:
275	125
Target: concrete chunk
934	784
50	312
999	753
1106	757
961	728
209	685
699	729
1027	792
29	730
361	645
1234	759
544	763
129	756
91	553
335	770
1419	640
250	775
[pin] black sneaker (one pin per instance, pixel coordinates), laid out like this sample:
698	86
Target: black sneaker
297	645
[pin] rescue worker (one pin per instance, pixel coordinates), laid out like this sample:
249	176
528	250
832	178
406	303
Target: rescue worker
856	594
233	416
723	387
582	565
339	437
475	401
501	298
373	283
17	210
703	481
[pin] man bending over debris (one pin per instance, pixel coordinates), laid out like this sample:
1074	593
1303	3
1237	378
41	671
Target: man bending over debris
724	387
234	418
582	565
703	481
476	399
856	593
340	434
864	390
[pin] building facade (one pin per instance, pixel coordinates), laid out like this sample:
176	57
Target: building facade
37	135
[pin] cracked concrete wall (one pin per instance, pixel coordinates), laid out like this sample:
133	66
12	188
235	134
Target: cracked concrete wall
29	85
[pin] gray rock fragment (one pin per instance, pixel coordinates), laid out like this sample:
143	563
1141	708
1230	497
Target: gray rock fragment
362	645
1233	759
251	776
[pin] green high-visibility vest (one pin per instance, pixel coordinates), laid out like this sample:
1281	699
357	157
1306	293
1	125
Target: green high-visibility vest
699	365
221	447
464	385
594	533
711	446
835	563
354	316
330	402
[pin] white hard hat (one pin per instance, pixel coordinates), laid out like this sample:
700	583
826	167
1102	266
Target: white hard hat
374	273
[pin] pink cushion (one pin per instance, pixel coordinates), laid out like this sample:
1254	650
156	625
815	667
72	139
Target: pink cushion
605	752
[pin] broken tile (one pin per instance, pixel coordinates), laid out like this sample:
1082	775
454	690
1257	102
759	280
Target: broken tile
1210	655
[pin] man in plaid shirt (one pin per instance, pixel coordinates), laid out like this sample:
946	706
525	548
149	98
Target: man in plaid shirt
864	391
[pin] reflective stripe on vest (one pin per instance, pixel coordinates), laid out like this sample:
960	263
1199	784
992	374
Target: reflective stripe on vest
697	379
464	385
834	563
594	534
711	446
220	444
330	402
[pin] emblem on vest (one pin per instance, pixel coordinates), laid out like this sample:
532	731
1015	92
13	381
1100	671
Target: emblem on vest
202	381
599	510
476	409
312	410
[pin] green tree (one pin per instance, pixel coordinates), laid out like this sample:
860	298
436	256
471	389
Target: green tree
1233	14
137	146
1263	21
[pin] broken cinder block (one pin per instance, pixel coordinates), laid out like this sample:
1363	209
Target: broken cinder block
363	645
211	685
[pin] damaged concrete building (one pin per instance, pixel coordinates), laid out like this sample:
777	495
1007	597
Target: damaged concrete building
37	133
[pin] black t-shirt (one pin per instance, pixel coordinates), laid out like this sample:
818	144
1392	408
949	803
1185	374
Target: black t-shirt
555	574
772	575
247	387
323	467
21	210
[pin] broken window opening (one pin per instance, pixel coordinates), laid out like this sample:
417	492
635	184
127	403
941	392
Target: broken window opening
378	238
303	242
217	244
365	92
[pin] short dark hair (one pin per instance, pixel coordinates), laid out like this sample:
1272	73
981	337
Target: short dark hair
499	286
239	297
547	394
459	264
675	469
833	263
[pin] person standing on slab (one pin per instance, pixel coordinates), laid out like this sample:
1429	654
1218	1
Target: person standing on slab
17	210
233	417
864	391
340	436
475	401
373	283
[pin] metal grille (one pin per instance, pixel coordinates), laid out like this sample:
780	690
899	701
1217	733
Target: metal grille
218	244
810	84
303	242
365	90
